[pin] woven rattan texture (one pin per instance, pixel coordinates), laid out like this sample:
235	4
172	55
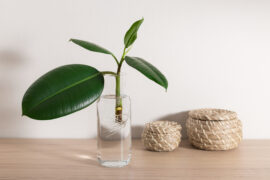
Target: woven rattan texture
161	136
214	129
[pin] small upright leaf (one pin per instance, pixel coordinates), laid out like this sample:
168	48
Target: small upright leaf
62	91
90	46
148	70
131	34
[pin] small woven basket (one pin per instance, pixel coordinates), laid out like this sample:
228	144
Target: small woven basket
161	136
214	129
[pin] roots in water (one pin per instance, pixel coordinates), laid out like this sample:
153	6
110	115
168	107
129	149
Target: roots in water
116	126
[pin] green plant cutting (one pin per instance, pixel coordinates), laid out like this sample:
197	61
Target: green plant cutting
70	88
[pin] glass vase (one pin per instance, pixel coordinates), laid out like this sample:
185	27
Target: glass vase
114	128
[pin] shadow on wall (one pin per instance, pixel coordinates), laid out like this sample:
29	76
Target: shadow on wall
180	117
10	61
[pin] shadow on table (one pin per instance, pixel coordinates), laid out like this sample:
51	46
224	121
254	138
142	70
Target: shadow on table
70	153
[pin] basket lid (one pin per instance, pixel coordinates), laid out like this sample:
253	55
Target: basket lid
162	127
212	114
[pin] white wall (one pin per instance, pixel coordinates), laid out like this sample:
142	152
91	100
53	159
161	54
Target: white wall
214	54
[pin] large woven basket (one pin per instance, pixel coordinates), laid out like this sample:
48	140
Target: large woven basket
161	136
214	129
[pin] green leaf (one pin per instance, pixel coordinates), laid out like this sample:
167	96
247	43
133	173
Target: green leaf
148	70
131	34
62	91
90	46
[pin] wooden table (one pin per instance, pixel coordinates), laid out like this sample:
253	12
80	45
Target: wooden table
35	159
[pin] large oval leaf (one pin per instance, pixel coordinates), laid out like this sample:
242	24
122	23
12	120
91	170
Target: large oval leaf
148	70
131	34
90	46
62	91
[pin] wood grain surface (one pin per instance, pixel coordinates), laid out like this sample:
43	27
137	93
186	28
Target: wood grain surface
62	159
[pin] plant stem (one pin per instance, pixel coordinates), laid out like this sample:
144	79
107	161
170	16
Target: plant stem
118	105
121	62
115	59
109	72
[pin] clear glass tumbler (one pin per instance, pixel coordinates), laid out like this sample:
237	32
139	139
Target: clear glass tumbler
114	135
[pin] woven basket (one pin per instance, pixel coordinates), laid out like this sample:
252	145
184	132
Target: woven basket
161	136
214	129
